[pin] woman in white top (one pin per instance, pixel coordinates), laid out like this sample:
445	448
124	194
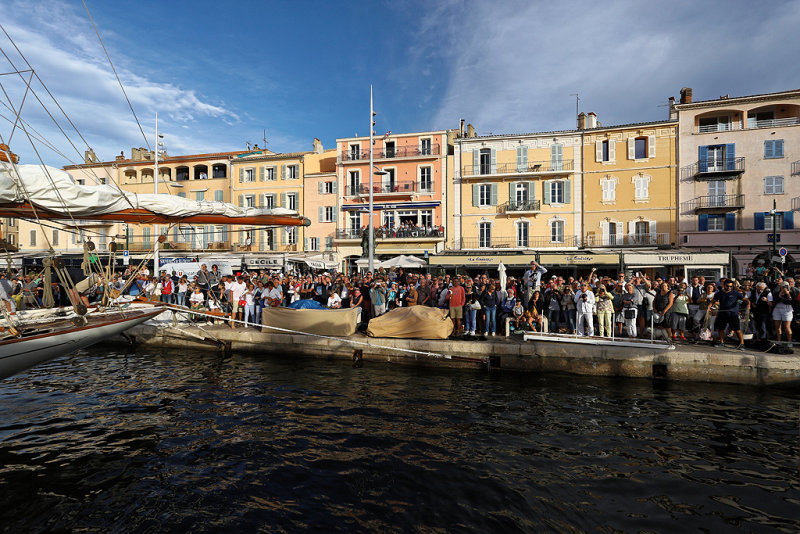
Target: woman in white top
334	300
250	305
183	287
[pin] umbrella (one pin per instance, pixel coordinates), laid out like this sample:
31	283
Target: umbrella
406	262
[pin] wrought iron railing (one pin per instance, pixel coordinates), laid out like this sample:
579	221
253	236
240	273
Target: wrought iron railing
750	124
711	167
515	206
389	153
513	168
715	202
502	242
383	232
406	187
627	240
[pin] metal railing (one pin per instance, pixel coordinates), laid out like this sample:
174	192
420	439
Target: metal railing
715	202
714	167
772	123
397	152
627	240
750	124
566	165
514	206
392	233
503	242
406	187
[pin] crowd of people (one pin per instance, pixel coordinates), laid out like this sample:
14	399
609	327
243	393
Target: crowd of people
766	306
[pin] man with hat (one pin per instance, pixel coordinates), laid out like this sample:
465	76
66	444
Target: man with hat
532	280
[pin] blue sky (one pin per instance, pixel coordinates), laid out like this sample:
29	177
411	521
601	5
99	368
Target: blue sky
219	73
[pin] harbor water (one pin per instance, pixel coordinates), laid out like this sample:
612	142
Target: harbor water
179	441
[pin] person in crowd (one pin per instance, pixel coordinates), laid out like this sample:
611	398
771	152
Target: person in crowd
378	298
568	307
662	304
470	308
197	303
534	312
250	305
782	312
762	310
679	312
238	301
630	309
334	300
489	302
728	312
605	310
584	307
456	297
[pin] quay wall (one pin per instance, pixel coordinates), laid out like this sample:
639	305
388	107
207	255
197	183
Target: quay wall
697	363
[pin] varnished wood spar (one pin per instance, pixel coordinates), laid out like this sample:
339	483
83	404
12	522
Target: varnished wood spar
141	216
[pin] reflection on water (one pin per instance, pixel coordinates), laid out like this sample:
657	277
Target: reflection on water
177	442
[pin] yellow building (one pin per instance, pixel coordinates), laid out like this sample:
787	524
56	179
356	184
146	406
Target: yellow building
516	192
629	184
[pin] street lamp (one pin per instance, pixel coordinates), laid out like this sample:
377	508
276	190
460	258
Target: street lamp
774	213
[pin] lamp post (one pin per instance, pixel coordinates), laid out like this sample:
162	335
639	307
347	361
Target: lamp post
156	266
774	213
370	227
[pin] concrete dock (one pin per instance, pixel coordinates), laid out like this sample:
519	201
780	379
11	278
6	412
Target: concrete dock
697	363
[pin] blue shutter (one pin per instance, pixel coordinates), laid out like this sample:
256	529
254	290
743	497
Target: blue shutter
730	157
769	149
758	220
702	223
788	220
730	222
779	148
703	159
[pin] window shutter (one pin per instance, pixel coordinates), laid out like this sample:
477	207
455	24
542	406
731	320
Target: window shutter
531	186
494	192
305	243
476	161
730	222
335	186
261	174
283	201
321	214
556	157
335	215
241	174
702	223
598	151
788	220
779	148
769	149
651	146
328	243
283	173
494	161
546	188
567	191
476	195
631	228
321	188
260	201
511	192
631	148
241	201
224	233
182	194
758	220
612	150
219	196
730	156
522	158
703	157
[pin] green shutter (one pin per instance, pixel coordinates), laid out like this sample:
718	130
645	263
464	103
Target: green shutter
219	196
225	233
335	186
241	201
494	194
260	201
241	174
511	191
476	195
494	161
283	201
261	174
531	190
476	161
305	243
321	214
321	187
546	187
567	191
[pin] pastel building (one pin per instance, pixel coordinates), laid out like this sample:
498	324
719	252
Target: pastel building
738	157
408	191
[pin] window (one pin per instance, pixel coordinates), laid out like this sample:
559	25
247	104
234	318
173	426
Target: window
199	195
612	229
12	239
520	193
289	201
779	221
609	187
714	124
313	243
387	219
389	180
249	201
773	148
269	174
291	236
292	172
328	188
641	232
354	183
426	147
354	220
329	214
33	238
219	196
605	151
328	243
557	157
486	161
355	151
773	185
182	194
760	119
247	175
716	193
145	236
557	192
557	231
484	235
640	148
426	179
641	187
485	195
716	223
11	222
522	159
55	238
522	234
426	218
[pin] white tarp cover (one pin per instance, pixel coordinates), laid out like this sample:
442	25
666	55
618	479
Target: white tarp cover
420	322
82	202
404	261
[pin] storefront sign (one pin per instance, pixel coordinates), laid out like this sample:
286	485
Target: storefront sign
579	259
263	262
476	260
676	258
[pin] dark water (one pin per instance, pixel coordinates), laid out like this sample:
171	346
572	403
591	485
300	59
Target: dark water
196	442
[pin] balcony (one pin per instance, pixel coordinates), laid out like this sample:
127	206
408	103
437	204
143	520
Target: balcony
392	153
383	233
720	169
715	203
397	188
752	124
515	207
500	243
627	240
532	167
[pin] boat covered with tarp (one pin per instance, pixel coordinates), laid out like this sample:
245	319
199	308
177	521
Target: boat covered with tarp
322	322
416	322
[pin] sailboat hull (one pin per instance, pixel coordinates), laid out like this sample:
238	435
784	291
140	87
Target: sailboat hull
19	354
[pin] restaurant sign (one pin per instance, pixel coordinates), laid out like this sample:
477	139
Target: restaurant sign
578	259
478	260
676	258
263	262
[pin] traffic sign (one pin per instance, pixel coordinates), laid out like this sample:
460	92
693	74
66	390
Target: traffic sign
782	251
126	258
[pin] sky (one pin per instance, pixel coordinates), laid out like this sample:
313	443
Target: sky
222	74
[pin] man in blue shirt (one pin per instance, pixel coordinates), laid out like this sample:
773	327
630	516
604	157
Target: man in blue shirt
728	312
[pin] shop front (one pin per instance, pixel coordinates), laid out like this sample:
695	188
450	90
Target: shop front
476	264
577	265
683	265
271	262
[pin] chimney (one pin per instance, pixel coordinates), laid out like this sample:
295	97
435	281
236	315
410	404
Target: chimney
686	95
673	113
591	120
462	128
121	156
582	121
90	157
471	131
317	146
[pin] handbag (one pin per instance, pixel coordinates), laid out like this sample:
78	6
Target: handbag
475	305
657	317
242	302
630	313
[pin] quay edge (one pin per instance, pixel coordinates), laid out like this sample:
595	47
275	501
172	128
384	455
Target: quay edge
691	363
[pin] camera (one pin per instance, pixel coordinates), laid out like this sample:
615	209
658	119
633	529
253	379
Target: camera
583	296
